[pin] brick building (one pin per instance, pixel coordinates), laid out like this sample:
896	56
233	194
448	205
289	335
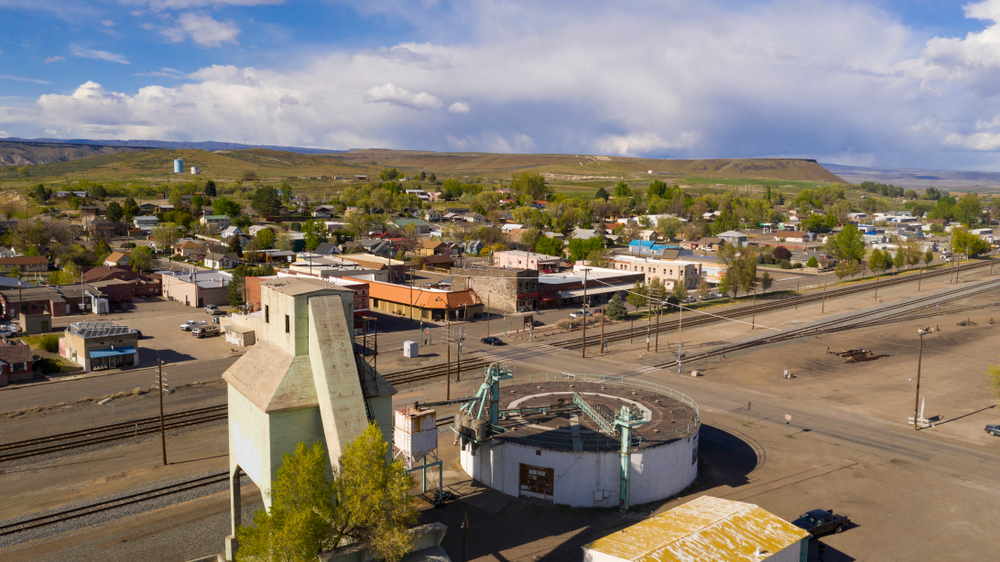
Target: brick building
16	363
32	300
510	290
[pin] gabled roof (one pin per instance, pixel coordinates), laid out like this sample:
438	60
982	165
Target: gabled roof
730	234
115	257
429	244
15	353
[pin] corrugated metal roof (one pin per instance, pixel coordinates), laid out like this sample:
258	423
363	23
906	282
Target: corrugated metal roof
705	528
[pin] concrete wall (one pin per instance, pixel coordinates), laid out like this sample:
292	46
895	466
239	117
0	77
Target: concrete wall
588	479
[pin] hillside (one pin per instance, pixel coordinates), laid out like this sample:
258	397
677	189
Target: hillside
228	165
204	145
15	153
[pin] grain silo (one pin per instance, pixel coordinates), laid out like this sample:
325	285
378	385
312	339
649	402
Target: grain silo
178	166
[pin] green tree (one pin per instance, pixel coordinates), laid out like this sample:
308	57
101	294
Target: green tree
657	188
315	232
637	296
196	202
141	259
114	212
598	258
968	210
622	190
177	198
580	249
899	260
235	246
130	208
679	293
847	245
766	280
389	175
928	257
879	261
993	376
265	201
965	242
813	262
601	194
164	235
265	239
615	309
530	187
226	206
703	288
847	267
668	227
210	189
549	246
74	202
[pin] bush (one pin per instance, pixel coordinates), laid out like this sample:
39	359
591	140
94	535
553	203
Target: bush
797	266
47	366
812	262
785	264
49	343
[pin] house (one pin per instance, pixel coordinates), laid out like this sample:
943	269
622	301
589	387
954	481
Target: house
336	226
7	252
474	217
426	247
164	207
432	215
216	222
100	345
90	212
704	528
474	247
424	303
146	223
148	207
116	259
421	226
222	261
103	228
230	231
733	237
437	262
190	249
326	249
324	211
795	237
377	247
17	363
583	234
24	263
525	260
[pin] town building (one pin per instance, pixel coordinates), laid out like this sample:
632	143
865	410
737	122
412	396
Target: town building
146	222
424	303
32	300
360	288
196	287
732	237
704	528
421	226
16	363
669	272
227	260
100	345
567	289
526	260
510	290
24	263
330	267
396	268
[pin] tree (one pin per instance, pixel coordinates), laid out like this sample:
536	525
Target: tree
114	212
679	293
812	262
176	198
637	296
782	253
928	257
847	267
389	175
315	232
130	208
615	309
210	188
265	201
993	375
703	289
197	201
847	245
141	259
226	206
964	242
530	187
601	194
968	210
631	232
598	258
622	190
235	246
249	175
164	235
657	188
668	227
879	261
580	249
899	260
766	280
265	239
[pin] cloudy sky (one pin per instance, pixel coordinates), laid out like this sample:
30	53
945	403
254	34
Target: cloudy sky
877	83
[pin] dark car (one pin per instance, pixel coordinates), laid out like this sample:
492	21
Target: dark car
993	430
819	522
492	341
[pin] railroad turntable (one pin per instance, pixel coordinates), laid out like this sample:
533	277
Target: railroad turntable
579	440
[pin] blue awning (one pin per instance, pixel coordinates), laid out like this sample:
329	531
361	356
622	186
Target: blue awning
98	353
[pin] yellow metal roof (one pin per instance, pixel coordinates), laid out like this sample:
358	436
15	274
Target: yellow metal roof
704	528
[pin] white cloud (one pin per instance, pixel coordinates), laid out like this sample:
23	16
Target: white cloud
165	72
107	23
202	29
392	94
52	59
87	53
22	79
160	5
459	107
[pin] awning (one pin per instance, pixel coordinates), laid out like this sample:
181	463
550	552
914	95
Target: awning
117	352
550	297
596	290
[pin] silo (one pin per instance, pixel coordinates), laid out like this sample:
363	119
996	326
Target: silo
178	166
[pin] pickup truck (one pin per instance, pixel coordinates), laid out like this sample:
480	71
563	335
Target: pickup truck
213	310
192	324
820	522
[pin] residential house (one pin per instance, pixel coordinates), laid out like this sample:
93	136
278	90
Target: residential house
228	260
230	231
427	247
377	247
146	223
216	222
324	211
190	249
432	215
474	217
116	259
733	237
16	363
24	263
474	247
90	212
421	226
326	249
795	237
7	252
148	207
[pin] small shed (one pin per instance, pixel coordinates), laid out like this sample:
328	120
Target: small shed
34	323
238	335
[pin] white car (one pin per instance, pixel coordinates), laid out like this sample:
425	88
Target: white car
192	324
580	314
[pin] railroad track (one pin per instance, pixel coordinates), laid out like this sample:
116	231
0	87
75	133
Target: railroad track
744	311
98	507
108	433
858	320
432	372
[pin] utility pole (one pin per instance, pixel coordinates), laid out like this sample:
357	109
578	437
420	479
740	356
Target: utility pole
753	316
656	336
448	384
585	271
921	278
163	432
602	331
458	357
920	356
488	315
823	310
411	294
798	295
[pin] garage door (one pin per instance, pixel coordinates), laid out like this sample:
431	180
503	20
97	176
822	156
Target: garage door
536	481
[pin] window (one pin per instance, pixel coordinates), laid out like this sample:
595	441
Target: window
287	324
267	314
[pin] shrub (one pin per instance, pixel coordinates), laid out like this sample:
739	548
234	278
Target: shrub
46	365
785	264
797	266
49	343
812	262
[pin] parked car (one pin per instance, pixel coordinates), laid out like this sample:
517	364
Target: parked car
820	522
492	341
213	310
993	430
192	324
580	314
205	331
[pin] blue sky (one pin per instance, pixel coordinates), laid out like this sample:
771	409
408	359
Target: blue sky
885	83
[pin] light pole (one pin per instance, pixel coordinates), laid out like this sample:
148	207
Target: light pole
920	356
585	270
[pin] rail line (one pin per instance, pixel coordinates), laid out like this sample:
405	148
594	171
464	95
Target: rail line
835	325
432	372
98	507
747	310
103	434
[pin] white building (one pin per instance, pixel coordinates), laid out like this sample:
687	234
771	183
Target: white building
668	272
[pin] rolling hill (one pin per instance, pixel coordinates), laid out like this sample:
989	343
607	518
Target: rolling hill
15	153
